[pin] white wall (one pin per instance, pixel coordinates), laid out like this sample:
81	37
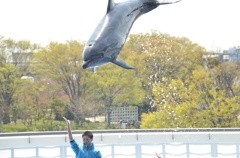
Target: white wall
122	138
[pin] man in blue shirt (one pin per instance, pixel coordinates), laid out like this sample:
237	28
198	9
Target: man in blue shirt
87	150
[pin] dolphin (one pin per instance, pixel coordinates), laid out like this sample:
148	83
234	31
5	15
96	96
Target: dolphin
108	38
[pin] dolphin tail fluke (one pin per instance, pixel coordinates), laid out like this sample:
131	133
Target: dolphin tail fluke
162	2
122	64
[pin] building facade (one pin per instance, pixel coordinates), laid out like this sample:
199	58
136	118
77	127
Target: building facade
124	114
231	55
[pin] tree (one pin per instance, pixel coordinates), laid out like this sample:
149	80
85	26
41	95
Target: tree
164	58
9	81
10	73
115	87
226	76
220	109
5	50
196	103
38	101
61	63
184	93
22	54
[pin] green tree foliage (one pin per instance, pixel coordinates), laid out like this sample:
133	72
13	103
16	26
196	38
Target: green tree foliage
9	80
197	103
185	94
61	63
169	83
164	58
166	55
6	49
115	87
226	75
88	92
23	53
38	101
19	53
11	70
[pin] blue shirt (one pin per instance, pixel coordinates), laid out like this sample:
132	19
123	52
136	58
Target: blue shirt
84	152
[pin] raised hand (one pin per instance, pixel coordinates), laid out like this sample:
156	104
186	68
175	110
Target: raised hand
68	128
67	121
158	155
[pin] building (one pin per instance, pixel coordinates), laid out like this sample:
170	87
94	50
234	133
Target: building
231	55
22	60
124	114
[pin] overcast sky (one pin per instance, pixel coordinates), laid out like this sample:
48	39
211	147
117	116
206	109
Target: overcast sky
213	24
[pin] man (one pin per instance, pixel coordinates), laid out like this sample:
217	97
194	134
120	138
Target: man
87	150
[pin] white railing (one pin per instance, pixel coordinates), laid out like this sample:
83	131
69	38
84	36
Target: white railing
177	143
131	151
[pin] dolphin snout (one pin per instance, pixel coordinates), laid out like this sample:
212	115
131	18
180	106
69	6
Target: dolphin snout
94	61
85	65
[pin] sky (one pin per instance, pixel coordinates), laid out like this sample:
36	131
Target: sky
213	24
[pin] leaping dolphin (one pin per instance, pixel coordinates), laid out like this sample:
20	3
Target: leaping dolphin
107	40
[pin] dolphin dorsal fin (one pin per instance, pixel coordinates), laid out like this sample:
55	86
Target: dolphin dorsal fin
111	5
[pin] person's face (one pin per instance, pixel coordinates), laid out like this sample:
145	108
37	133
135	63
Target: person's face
86	140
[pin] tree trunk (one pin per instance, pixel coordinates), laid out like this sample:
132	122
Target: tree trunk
6	115
108	117
1	114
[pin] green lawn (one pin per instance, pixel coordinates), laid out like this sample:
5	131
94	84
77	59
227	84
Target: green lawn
48	126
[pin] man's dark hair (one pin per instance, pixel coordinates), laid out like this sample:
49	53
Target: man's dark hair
88	133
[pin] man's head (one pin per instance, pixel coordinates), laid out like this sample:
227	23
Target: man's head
87	137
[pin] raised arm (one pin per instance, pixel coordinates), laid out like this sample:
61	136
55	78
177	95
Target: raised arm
69	129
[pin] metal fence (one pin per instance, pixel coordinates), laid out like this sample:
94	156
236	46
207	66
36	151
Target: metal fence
171	143
184	150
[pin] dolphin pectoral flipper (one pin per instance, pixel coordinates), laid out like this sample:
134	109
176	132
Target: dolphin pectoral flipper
167	2
122	64
94	69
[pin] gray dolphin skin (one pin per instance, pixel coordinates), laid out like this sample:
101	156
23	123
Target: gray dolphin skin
107	40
